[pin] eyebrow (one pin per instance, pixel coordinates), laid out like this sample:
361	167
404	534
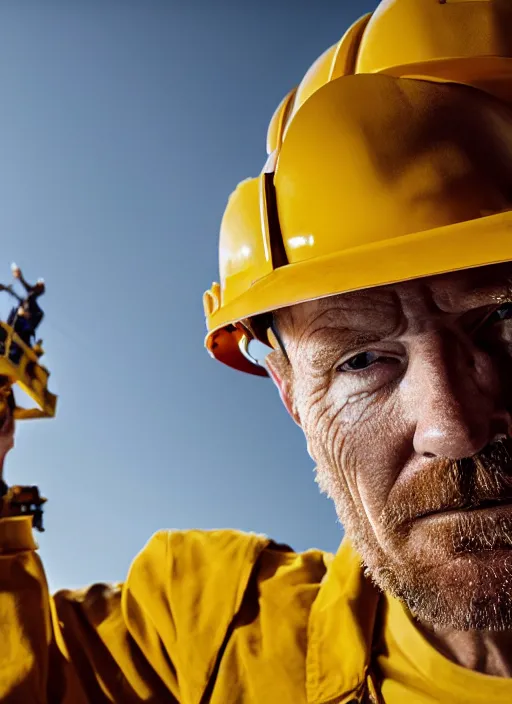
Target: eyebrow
336	339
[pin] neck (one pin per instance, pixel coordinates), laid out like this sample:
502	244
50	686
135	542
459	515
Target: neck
488	652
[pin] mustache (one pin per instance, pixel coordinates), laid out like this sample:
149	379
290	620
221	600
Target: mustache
447	485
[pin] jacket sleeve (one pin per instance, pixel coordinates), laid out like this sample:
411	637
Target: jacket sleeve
153	638
101	644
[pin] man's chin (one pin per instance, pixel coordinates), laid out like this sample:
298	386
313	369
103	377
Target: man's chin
452	570
464	591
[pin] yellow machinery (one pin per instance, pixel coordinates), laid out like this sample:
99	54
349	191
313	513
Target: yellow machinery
24	501
19	365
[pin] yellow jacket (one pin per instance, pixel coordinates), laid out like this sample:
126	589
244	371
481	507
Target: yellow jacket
216	617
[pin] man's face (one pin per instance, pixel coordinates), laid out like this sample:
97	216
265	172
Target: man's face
404	394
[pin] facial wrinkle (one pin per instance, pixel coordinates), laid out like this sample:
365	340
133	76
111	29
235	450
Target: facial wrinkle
338	311
379	474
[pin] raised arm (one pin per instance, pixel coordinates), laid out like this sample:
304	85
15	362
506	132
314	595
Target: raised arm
101	644
106	643
16	272
11	291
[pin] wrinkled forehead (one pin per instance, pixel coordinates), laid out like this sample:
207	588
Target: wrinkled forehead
455	292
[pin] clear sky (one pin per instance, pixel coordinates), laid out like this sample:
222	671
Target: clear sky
124	126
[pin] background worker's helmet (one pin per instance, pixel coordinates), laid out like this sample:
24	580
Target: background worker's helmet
380	168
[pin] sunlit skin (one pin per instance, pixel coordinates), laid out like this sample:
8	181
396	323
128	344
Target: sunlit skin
395	388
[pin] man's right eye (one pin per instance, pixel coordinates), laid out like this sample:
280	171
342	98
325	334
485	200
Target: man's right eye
502	313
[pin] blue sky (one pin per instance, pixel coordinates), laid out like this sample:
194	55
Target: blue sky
124	127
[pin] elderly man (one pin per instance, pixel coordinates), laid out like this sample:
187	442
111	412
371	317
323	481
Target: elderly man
372	255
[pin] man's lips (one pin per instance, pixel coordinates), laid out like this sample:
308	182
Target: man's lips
502	503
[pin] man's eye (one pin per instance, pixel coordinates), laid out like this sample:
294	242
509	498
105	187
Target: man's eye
359	362
502	313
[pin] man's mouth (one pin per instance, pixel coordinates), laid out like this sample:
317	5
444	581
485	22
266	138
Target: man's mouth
502	503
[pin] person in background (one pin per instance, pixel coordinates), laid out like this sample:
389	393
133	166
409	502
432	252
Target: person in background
27	316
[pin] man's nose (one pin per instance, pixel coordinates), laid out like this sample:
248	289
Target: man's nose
459	405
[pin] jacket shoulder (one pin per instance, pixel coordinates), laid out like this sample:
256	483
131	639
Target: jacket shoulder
190	598
211	565
200	583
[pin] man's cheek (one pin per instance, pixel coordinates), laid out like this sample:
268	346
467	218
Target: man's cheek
350	425
319	421
331	427
361	444
388	450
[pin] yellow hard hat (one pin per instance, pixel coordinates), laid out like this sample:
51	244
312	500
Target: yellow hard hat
380	169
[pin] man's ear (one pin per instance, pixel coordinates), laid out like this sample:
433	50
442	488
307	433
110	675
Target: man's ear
280	371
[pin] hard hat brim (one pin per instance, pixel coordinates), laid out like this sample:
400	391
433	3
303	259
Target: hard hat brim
474	243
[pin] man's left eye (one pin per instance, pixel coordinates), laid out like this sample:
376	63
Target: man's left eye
504	312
